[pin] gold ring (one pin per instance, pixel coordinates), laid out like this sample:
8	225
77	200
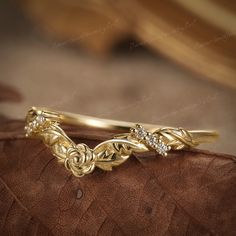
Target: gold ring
80	159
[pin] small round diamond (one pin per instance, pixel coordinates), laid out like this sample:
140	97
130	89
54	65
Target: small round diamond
39	119
141	133
162	148
34	124
152	140
28	130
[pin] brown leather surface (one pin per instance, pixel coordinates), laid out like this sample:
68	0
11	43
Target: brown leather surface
188	193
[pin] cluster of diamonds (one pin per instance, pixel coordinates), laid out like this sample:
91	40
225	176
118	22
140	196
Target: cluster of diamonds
150	139
35	125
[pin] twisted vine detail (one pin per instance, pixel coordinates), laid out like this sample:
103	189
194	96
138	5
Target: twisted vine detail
81	159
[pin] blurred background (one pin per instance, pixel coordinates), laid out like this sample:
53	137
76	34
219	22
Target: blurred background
169	62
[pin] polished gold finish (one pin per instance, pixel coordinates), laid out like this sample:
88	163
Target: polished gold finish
80	159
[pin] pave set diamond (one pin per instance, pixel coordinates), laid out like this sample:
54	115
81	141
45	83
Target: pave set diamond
36	124
150	139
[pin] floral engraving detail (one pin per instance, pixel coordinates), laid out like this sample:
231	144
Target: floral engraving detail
80	160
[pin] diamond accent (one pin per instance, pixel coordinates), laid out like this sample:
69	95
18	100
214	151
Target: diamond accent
40	119
152	140
162	148
140	132
33	126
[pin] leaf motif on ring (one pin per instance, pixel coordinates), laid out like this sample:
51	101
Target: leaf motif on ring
115	151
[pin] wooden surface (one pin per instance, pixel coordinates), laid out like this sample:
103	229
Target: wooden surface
183	31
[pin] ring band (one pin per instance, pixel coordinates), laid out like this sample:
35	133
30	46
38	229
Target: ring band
80	159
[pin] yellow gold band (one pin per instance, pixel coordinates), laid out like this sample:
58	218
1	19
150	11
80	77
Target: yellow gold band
44	123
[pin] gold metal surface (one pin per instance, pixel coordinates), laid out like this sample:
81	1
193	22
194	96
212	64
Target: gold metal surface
44	124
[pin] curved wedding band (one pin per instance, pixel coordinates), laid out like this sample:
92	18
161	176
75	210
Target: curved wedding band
80	159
